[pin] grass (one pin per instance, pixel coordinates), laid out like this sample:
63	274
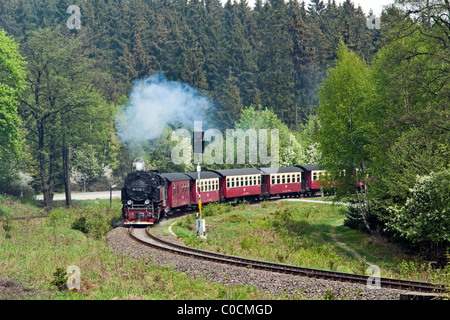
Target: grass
305	234
37	247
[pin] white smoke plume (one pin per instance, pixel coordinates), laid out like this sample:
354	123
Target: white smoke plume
154	102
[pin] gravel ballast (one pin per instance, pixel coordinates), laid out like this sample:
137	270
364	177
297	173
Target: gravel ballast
273	284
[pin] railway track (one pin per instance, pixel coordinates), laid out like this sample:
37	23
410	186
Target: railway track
144	237
24	218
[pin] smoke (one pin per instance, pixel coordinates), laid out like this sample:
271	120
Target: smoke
155	102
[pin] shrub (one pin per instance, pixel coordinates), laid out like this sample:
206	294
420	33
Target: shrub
215	208
59	279
80	224
424	219
7	227
93	223
283	221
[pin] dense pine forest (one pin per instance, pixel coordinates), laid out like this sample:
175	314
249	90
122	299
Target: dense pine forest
273	55
371	102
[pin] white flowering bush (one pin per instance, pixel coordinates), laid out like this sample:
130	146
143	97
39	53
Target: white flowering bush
425	217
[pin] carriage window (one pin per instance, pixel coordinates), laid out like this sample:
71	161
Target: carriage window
288	178
273	179
245	181
298	177
283	179
228	182
217	184
259	179
242	182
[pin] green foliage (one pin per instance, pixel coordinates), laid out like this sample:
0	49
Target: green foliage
59	279
81	225
425	216
345	115
273	55
92	222
292	149
216	208
284	222
12	83
7	227
86	161
411	136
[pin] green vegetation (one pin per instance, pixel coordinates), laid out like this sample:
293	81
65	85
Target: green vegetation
386	125
39	251
12	78
370	105
305	234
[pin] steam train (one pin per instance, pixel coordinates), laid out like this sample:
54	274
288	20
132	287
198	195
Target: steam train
148	196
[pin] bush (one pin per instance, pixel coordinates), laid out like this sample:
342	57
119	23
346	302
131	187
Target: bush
93	223
7	227
80	224
355	221
424	219
283	221
215	208
59	279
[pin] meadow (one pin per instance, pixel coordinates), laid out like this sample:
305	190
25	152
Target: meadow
305	234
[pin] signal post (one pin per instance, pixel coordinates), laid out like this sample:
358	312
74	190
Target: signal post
198	146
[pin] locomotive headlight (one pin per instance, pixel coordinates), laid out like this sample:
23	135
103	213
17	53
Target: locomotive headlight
129	202
147	201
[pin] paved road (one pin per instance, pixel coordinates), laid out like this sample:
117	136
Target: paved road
84	195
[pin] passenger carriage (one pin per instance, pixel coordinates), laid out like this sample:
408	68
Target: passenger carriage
239	184
209	186
282	181
313	176
178	191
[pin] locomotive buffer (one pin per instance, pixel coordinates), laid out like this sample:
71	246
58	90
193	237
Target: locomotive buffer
198	146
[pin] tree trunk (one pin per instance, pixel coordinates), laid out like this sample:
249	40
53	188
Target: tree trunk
51	175
45	189
363	197
66	169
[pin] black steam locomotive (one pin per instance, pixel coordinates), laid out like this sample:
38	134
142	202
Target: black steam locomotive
143	197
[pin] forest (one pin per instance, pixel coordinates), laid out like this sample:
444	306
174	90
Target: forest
370	102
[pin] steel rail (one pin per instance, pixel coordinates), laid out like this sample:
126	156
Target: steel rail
24	218
284	268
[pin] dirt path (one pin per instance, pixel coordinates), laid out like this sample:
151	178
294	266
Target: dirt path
348	249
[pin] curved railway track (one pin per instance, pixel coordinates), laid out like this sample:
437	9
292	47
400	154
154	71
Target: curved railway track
143	236
24	218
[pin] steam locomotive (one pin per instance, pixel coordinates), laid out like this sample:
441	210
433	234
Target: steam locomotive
148	196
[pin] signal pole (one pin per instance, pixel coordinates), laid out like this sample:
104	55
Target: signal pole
198	147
